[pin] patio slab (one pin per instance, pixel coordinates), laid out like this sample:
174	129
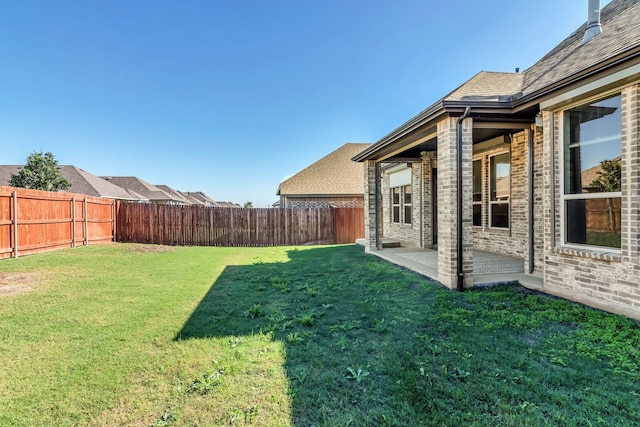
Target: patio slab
489	268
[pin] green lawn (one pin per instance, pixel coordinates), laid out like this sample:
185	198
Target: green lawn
313	336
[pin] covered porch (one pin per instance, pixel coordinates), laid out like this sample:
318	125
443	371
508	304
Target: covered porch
457	183
488	268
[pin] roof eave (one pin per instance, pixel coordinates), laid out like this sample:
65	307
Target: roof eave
442	107
423	117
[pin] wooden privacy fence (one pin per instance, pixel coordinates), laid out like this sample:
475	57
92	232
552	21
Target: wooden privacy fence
35	221
207	226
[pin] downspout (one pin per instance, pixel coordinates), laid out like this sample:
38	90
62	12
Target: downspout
531	196
377	206
459	272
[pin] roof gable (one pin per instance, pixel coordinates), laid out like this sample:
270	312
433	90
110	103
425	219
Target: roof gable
334	174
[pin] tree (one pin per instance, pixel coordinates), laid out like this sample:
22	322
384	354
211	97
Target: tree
609	181
40	173
609	177
248	204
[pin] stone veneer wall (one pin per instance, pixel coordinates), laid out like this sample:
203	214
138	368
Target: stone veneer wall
324	202
405	232
613	278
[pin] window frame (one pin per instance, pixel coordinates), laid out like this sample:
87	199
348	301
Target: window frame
395	205
563	198
492	203
406	205
479	202
402	205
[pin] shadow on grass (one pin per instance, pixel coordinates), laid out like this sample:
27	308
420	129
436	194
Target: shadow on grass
369	343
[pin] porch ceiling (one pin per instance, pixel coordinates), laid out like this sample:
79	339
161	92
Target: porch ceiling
482	131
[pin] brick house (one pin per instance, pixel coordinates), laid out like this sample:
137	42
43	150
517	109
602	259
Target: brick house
543	165
333	181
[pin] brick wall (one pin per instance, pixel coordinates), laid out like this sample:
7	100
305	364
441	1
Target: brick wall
513	240
323	202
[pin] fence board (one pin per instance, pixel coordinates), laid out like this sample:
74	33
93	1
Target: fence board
349	224
205	226
34	221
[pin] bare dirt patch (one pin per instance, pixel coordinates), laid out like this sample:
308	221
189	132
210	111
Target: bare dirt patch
152	248
15	283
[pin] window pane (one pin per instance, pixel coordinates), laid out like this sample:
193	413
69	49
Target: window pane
594	222
477	180
395	196
593	146
407	195
477	214
500	215
407	214
500	172
396	214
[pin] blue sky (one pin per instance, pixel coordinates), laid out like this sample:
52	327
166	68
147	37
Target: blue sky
230	97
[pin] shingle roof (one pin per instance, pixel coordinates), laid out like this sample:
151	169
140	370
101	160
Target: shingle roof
174	193
86	183
137	185
620	21
488	86
201	197
82	182
333	174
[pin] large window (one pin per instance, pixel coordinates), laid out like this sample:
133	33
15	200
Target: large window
500	190
477	192
592	174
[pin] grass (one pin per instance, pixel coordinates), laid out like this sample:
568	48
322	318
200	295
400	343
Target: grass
128	335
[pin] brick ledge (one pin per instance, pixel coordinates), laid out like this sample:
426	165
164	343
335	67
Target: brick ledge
589	253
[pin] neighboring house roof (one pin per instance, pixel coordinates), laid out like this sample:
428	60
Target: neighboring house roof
174	193
137	185
200	197
334	174
226	205
82	182
86	183
570	61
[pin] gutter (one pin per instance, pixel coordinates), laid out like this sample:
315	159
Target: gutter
459	272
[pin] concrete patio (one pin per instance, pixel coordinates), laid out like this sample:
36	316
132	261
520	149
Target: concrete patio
488	268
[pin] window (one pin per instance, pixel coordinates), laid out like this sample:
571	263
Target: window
477	192
500	190
407	204
395	204
401	204
592	174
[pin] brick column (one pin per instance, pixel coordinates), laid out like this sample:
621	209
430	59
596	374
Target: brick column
631	172
427	202
370	214
448	200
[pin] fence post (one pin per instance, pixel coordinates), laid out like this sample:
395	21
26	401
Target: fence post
15	224
114	213
73	222
86	223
